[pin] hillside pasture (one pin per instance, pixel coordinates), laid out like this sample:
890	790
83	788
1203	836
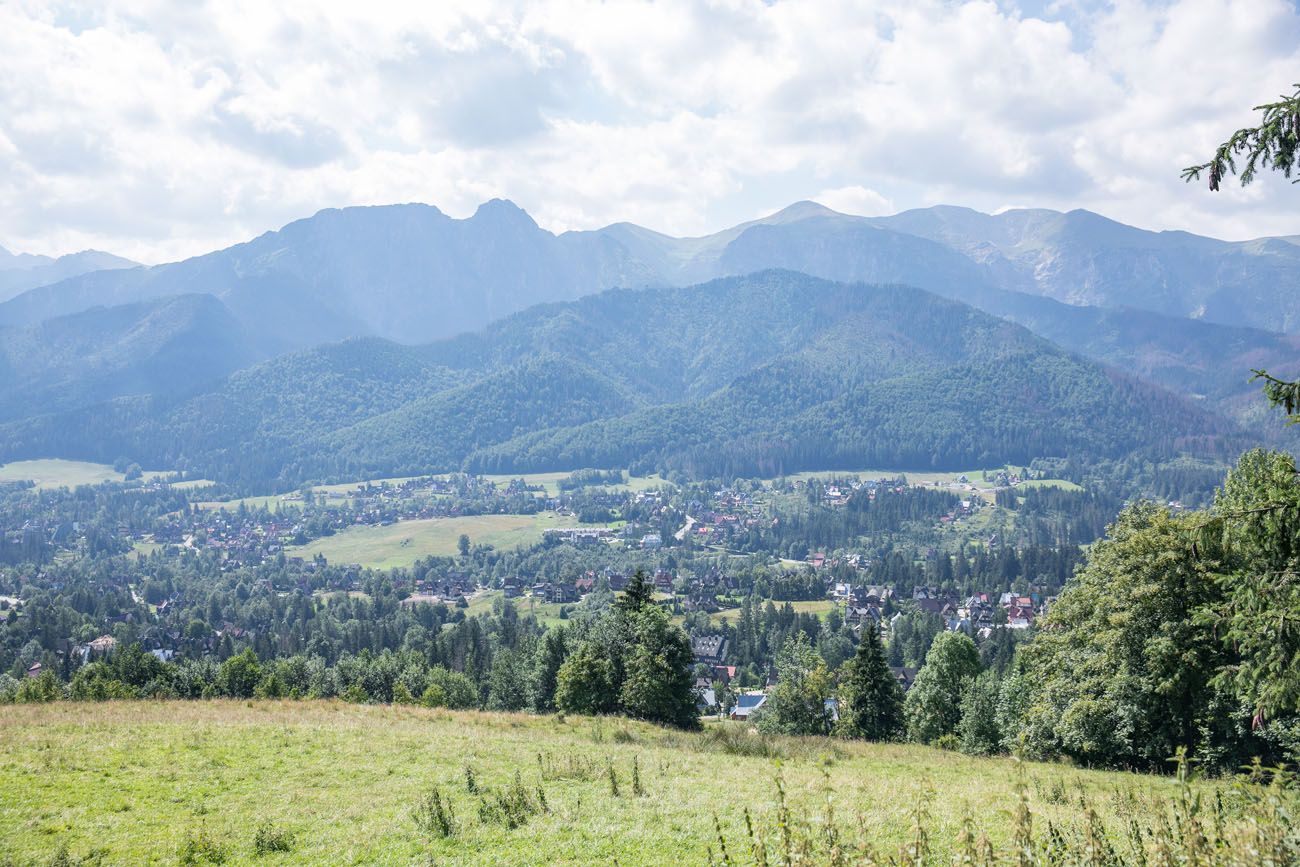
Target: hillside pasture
336	783
57	473
402	543
820	607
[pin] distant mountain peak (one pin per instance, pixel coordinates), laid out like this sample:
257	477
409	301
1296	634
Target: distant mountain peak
801	210
503	211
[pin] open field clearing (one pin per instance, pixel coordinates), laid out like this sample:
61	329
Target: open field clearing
57	473
551	481
820	607
974	478
547	613
1051	483
146	782
270	502
402	543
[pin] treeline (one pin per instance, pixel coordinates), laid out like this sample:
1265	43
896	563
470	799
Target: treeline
626	658
1053	516
817	528
591	478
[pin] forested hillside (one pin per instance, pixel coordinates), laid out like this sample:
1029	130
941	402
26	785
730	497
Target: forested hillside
769	373
163	347
413	274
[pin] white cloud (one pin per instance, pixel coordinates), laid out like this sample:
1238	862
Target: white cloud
855	199
159	129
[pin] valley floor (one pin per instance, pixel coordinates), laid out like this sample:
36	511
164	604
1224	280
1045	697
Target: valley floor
152	782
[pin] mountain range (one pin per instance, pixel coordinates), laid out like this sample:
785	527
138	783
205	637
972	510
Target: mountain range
197	362
766	373
22	271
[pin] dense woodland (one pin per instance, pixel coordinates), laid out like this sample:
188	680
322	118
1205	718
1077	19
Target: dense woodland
823	376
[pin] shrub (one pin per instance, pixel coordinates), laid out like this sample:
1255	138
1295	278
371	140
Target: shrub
201	849
512	806
434	816
269	839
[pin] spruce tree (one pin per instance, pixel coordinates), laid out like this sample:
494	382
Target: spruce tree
640	593
873	699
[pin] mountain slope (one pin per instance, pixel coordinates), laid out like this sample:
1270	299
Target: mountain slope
1083	258
156	347
412	274
901	379
22	271
405	272
775	371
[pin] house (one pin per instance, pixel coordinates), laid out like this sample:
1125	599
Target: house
102	645
35	670
747	703
651	541
832	708
562	593
906	676
856	615
706	701
709	649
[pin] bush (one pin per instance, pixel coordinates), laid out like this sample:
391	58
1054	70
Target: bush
269	839
512	806
201	849
433	815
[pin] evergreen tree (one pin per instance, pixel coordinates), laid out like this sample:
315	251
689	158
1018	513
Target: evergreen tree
551	652
872	706
507	685
1255	533
640	592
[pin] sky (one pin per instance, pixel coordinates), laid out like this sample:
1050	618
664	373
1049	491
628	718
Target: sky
163	130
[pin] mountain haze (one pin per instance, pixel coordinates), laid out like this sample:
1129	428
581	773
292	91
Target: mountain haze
412	274
22	271
398	339
772	372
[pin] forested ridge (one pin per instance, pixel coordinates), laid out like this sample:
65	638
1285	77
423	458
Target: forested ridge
765	374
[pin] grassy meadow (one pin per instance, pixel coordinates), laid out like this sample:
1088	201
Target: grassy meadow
328	782
56	473
402	543
820	607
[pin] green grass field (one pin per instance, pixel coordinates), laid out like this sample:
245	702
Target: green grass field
1051	483
57	473
551	481
403	543
135	782
547	613
820	607
270	502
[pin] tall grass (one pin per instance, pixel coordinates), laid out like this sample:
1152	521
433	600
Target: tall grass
1252	826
